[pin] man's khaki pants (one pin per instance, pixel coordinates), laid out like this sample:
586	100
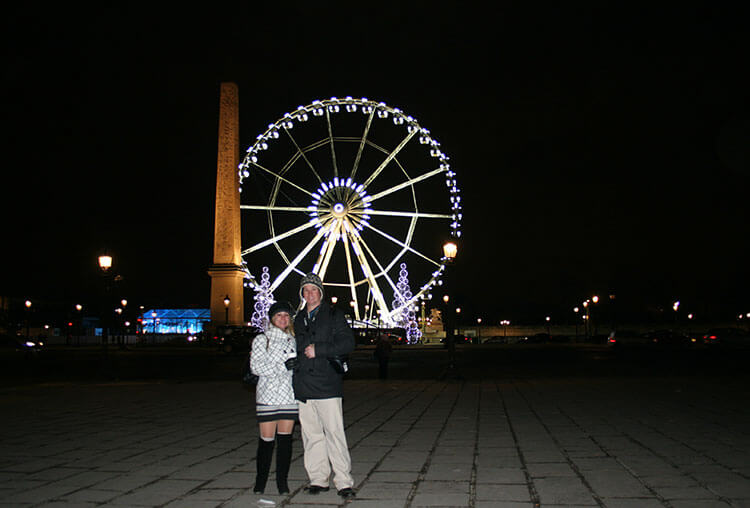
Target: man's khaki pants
322	427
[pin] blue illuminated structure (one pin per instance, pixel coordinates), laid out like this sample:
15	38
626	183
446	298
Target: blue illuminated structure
174	320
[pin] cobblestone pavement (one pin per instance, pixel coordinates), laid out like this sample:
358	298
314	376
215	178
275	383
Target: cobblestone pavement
618	443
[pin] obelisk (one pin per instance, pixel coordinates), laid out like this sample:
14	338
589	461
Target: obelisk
226	271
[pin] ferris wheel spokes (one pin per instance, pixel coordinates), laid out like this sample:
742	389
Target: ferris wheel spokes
383	271
402	244
302	154
407	183
417	215
281	178
265	243
283	275
352	283
275	208
388	159
327	251
377	294
330	139
362	143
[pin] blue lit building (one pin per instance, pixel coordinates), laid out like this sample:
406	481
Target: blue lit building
174	320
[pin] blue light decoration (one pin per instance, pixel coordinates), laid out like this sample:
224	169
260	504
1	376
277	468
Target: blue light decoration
181	321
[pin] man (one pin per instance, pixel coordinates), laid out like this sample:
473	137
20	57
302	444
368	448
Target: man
322	332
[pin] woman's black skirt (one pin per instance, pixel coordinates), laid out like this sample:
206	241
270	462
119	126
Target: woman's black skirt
270	413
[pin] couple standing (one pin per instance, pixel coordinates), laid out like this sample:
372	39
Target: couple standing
305	387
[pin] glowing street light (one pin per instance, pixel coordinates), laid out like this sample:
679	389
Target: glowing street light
450	249
105	262
227	301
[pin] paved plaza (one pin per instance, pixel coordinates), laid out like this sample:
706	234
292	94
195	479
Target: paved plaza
611	442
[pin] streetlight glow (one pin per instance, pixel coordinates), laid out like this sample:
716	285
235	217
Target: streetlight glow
450	250
105	262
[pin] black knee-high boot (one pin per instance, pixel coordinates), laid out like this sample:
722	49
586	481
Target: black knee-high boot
263	464
283	459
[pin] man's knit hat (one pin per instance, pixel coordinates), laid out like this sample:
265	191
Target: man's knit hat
311	278
280	307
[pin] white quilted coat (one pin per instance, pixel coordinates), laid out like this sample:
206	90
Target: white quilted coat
274	380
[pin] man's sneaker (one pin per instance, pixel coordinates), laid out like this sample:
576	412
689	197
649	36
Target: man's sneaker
347	493
316	489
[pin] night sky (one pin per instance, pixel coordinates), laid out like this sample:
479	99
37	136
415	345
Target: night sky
599	149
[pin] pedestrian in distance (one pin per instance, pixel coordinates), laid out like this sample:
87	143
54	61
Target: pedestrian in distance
322	333
382	354
273	358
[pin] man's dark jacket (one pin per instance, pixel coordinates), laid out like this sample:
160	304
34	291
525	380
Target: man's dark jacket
328	330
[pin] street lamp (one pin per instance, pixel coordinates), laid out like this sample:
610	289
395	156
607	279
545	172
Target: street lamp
227	301
105	262
547	319
27	303
124	303
576	310
79	308
479	330
450	249
153	327
504	323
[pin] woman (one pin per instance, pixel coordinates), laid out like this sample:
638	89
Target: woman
273	357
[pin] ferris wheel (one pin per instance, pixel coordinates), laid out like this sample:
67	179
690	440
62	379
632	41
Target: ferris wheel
353	190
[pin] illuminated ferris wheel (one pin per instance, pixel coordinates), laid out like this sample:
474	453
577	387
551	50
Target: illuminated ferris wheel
351	189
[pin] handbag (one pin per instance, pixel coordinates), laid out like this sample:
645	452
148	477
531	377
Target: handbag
248	378
340	363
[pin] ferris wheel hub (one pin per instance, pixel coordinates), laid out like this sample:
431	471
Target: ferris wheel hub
339	210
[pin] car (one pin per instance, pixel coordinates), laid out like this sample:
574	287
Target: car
457	339
235	339
26	346
726	337
669	338
495	339
625	338
537	338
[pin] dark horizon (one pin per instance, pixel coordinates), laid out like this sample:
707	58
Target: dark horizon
600	150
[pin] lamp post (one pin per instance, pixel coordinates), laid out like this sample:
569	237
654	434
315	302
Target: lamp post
79	326
613	310
549	335
105	263
227	301
27	304
504	323
124	303
586	319
367	319
479	330
676	309
450	250
576	310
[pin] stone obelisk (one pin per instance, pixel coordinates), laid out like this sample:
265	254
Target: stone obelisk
226	271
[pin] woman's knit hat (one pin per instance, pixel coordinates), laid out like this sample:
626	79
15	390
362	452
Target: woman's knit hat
280	307
311	278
